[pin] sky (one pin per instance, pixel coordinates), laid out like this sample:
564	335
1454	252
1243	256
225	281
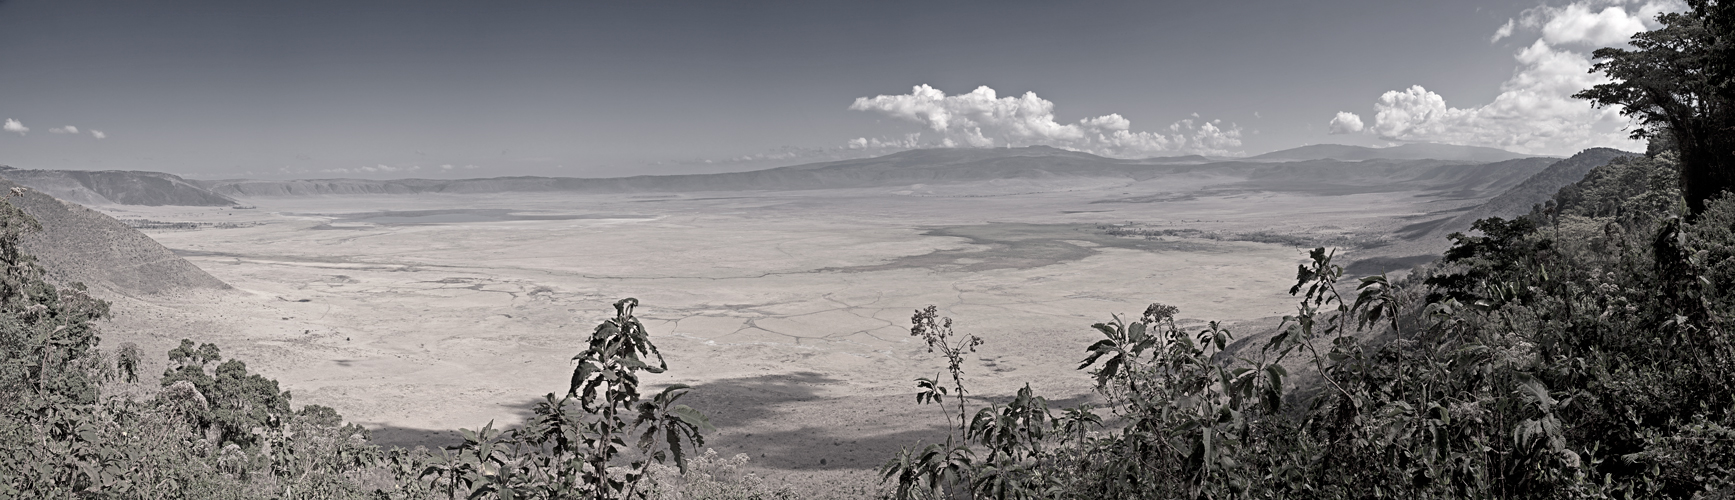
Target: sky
450	89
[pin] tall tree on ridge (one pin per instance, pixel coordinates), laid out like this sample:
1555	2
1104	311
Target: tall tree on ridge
1679	82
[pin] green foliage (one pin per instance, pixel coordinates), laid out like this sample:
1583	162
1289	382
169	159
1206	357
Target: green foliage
217	431
709	477
46	333
598	441
240	406
1631	190
173	446
127	361
936	332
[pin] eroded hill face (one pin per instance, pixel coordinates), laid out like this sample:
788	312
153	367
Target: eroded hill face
77	244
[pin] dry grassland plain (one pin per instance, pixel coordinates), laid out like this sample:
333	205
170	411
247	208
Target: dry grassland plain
788	311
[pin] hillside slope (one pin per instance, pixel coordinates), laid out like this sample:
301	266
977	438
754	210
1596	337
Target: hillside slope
1423	241
1519	199
1451	179
77	244
115	187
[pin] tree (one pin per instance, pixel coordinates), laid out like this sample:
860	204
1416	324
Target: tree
1679	82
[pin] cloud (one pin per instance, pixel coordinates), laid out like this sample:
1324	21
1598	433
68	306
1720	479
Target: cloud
389	168
909	141
982	119
1504	31
1582	23
449	167
1535	112
14	126
1346	123
379	168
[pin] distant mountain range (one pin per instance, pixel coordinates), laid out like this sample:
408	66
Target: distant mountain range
86	246
1415	166
1424	151
82	245
115	187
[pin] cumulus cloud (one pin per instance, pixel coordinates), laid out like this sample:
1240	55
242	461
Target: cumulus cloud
63	130
1535	112
909	141
98	134
982	119
449	167
14	126
1595	23
1346	123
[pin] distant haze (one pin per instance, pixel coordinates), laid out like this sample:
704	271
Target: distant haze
910	171
446	89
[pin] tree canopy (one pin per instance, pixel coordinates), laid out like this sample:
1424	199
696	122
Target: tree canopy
1679	83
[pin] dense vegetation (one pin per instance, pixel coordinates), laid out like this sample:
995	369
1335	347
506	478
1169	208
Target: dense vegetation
1578	352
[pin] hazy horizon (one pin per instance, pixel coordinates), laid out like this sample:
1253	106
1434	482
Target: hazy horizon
750	167
456	90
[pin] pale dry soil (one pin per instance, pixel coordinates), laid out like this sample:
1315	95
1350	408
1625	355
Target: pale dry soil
787	311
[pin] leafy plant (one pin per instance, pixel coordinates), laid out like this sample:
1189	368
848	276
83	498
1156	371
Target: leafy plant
597	441
936	332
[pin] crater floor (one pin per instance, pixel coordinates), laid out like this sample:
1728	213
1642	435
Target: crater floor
788	311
